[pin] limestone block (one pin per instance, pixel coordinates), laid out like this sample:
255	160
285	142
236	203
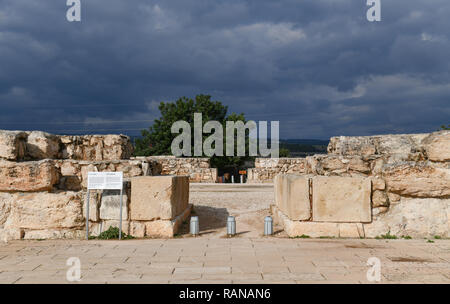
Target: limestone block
137	229
41	145
94	203
437	146
417	180
110	205
53	234
415	217
27	176
42	210
10	234
292	196
341	199
379	199
351	230
158	197
12	144
166	228
6	199
312	229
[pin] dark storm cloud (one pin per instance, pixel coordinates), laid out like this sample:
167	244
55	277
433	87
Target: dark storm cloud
317	66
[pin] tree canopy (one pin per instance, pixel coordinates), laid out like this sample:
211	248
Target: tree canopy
157	139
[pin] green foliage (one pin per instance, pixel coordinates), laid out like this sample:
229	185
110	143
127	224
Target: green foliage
111	234
443	127
303	236
430	241
284	152
437	237
387	236
406	237
157	139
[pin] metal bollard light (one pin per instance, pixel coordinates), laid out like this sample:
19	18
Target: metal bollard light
194	226
231	226
268	225
242	179
232	179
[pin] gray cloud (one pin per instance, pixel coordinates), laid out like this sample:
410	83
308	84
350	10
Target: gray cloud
317	66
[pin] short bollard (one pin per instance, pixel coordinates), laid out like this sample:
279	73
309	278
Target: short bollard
231	226
268	225
242	179
194	226
232	179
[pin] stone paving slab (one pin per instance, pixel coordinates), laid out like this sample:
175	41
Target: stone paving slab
235	260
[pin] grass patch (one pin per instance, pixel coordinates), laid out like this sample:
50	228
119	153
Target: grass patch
387	236
430	241
303	236
326	237
406	237
437	237
111	234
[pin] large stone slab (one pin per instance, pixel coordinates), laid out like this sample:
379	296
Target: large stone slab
417	180
437	146
27	176
158	197
292	196
41	145
341	199
414	217
110	205
12	144
42	210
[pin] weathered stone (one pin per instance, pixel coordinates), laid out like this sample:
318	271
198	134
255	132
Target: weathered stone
158	197
12	144
137	229
437	146
379	198
341	199
6	199
417	180
94	202
43	210
292	196
41	145
166	228
312	229
27	176
110	206
10	234
413	217
50	234
351	230
345	145
378	184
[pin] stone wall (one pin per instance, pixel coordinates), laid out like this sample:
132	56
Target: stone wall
267	168
43	180
410	178
37	145
198	169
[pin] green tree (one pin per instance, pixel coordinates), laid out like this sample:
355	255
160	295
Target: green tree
443	127
157	139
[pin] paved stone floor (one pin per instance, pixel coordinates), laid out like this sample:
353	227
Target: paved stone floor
226	260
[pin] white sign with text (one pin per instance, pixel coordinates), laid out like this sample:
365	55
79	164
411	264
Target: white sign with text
105	180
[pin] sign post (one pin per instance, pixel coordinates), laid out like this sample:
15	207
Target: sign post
104	181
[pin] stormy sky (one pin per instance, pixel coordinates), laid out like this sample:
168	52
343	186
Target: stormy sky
317	66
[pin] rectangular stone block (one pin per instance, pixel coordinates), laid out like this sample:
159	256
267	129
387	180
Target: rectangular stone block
166	228
12	144
341	199
42	210
110	205
28	176
158	197
292	196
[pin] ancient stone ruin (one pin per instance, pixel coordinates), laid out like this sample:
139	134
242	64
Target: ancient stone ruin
364	187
